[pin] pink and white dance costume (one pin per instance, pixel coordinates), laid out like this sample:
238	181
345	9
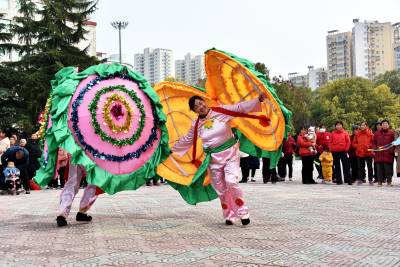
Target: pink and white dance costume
71	188
224	167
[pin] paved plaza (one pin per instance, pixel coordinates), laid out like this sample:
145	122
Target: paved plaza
292	225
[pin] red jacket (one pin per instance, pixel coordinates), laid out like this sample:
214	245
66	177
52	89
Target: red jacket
382	138
288	146
304	145
340	141
352	150
323	140
362	142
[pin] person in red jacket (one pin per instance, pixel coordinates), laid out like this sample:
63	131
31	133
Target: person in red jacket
340	144
323	141
307	157
361	143
288	147
384	159
352	155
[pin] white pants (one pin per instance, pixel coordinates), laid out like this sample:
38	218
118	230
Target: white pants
70	190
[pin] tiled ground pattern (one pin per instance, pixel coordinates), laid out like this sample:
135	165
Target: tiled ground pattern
292	225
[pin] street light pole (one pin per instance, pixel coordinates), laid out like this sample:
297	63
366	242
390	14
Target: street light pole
119	25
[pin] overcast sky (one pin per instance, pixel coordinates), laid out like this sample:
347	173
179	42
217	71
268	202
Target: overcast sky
286	35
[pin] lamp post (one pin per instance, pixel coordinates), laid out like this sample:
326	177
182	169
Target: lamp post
119	25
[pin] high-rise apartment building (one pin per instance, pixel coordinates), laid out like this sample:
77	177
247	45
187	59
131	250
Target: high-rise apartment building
154	64
373	51
396	43
298	80
317	77
190	70
339	55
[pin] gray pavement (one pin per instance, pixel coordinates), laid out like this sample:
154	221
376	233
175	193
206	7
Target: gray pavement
292	225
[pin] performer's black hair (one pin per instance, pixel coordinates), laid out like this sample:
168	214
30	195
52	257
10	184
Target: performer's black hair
192	100
385	121
6	132
339	122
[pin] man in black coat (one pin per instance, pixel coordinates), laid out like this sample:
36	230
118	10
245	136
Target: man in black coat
20	157
35	153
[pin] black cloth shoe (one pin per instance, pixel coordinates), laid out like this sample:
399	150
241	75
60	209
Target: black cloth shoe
228	222
27	192
82	217
245	221
61	221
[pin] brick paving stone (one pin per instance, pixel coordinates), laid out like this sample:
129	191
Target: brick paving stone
292	225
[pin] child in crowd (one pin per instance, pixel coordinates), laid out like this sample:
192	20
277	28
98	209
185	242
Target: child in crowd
13	182
312	137
326	159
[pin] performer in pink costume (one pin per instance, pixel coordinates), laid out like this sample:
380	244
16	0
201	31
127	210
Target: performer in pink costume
214	130
71	188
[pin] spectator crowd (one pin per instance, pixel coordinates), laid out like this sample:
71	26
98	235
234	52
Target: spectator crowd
338	156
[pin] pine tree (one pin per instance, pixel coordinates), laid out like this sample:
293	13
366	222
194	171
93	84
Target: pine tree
48	35
61	24
5	36
26	28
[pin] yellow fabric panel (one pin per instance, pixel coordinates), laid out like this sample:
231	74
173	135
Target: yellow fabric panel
174	97
229	82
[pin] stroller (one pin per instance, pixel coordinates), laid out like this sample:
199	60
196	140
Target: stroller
13	181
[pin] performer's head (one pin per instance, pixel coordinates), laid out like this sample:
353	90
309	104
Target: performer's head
10	164
198	105
363	125
385	125
378	125
339	125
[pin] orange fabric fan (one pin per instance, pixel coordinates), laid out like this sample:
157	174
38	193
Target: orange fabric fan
230	82
174	97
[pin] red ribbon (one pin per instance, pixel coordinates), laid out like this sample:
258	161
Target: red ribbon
263	120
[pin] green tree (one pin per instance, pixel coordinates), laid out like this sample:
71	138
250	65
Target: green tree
62	22
47	45
26	28
384	104
170	79
297	100
12	105
354	100
260	67
391	79
5	35
201	83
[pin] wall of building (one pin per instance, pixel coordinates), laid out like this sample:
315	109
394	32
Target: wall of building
154	64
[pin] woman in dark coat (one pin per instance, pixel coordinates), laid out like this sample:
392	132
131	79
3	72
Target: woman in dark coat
253	165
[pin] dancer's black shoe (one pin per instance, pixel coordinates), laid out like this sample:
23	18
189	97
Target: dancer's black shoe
228	222
82	217
61	221
245	221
